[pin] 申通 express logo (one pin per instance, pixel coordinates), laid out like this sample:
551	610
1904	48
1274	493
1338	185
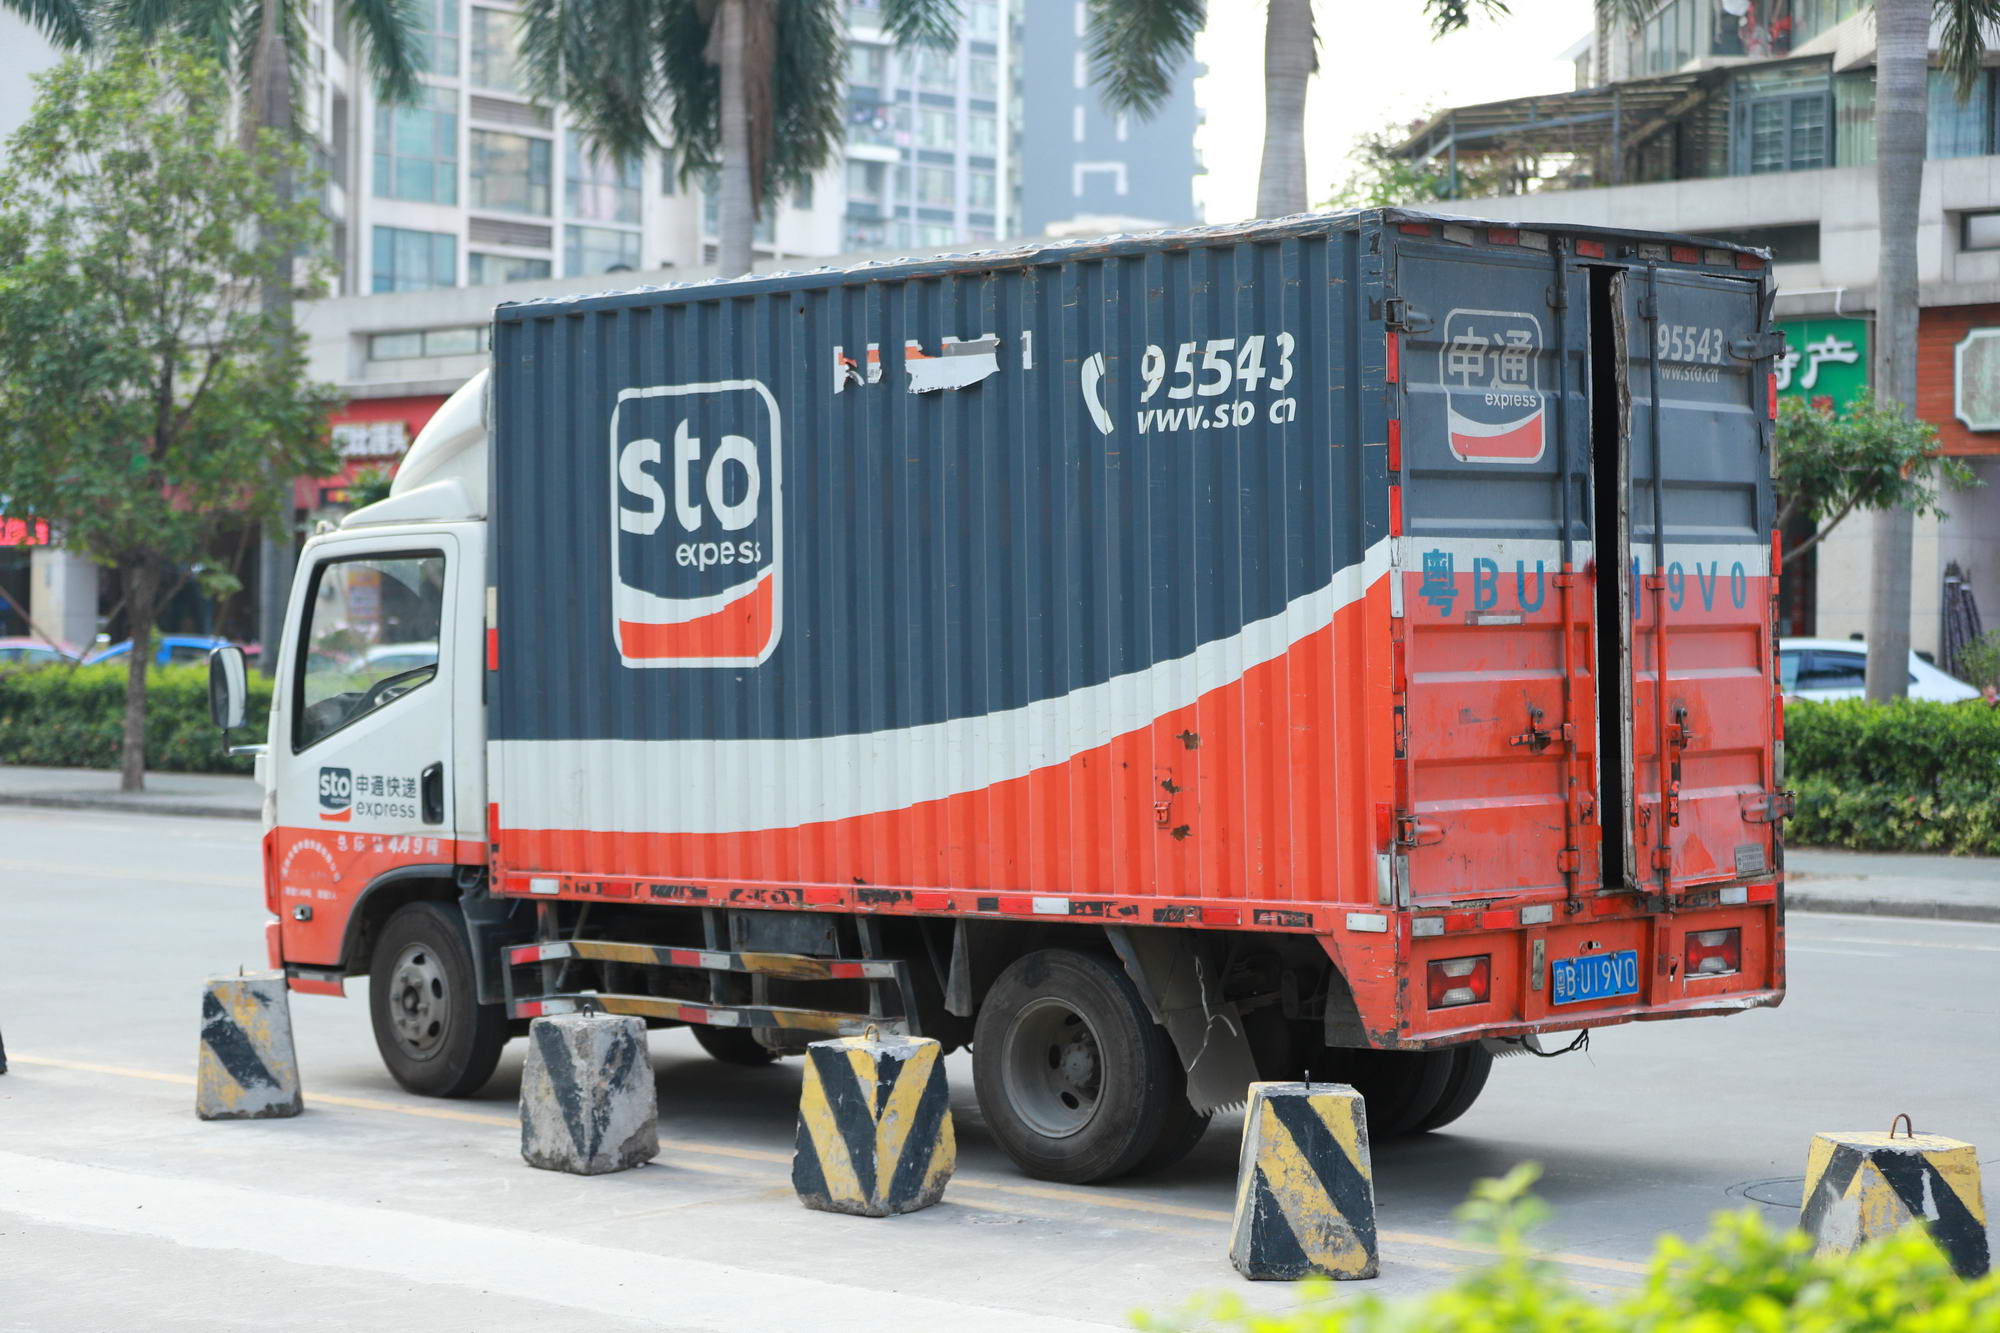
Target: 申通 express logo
1492	381
697	503
336	795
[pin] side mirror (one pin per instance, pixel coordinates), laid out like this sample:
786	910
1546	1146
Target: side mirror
228	691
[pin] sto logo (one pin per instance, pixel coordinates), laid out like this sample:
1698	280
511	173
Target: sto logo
697	525
336	795
1492	383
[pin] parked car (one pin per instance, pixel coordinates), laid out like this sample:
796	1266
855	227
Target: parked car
1838	669
29	652
175	650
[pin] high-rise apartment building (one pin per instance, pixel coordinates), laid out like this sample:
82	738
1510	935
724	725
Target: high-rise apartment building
1086	162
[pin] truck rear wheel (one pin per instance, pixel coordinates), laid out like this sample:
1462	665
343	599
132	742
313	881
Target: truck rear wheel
1076	1080
1471	1064
732	1046
1400	1088
434	1035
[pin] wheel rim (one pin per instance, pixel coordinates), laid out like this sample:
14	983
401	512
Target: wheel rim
419	1002
1053	1067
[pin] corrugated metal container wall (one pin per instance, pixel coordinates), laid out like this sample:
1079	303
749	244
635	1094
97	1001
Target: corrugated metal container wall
1092	623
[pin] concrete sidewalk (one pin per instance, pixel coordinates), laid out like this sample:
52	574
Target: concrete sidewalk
204	794
1962	888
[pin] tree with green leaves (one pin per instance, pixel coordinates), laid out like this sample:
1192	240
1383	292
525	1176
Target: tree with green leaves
148	397
1873	457
752	90
1135	45
1380	176
262	44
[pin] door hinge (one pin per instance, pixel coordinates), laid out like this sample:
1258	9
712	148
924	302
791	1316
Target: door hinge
1768	807
1399	314
1758	346
1413	832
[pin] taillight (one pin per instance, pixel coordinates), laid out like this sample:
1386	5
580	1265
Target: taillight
1455	981
1712	953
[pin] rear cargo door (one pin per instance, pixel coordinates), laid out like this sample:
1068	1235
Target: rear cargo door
1700	511
1496	783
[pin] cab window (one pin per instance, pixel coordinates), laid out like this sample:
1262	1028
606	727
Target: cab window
371	637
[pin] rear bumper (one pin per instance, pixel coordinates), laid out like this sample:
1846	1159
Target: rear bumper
1521	996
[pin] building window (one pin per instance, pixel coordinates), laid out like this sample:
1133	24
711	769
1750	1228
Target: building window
1955	128
933	70
416	148
867	64
1781	121
437	37
981	189
935	234
588	250
867	182
483	269
495	42
882	123
937	129
982	134
670	175
595	187
414	261
865	235
983	20
1979	231
983	76
510	172
1789	243
1976	380
427	342
936	187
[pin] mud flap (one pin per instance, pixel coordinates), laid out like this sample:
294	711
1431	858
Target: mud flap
1182	991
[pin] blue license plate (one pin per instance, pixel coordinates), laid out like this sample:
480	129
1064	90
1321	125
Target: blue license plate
1595	976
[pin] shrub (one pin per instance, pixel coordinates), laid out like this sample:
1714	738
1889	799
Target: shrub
1743	1275
1905	776
74	717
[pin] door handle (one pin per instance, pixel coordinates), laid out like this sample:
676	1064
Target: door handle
433	785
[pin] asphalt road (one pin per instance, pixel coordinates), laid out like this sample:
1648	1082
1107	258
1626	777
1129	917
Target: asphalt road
118	1209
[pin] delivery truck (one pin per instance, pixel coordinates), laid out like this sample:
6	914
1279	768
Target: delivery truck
1339	645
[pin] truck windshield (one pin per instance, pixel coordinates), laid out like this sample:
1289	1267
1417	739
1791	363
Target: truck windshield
371	637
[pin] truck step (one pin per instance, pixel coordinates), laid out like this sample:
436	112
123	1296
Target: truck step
718	1015
790	966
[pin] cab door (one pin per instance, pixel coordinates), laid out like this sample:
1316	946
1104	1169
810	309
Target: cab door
364	729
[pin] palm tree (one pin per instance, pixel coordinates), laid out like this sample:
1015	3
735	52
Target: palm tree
752	90
260	41
1135	45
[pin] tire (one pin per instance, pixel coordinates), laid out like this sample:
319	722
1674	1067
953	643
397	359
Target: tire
732	1046
1075	1079
435	1037
1400	1088
1471	1064
1184	1129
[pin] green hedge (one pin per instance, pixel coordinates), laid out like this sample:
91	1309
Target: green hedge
1745	1276
74	717
1904	777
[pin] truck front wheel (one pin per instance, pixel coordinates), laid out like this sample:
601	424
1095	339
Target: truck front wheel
1075	1079
434	1035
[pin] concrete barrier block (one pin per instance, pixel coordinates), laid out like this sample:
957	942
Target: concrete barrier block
1860	1186
1305	1189
875	1133
587	1100
247	1069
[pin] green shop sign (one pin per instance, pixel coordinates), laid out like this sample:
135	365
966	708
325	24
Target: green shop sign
1824	360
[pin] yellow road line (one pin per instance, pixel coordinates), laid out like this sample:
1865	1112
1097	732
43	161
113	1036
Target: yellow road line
1075	1196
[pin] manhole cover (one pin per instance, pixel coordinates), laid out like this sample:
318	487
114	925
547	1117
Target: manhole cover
1778	1192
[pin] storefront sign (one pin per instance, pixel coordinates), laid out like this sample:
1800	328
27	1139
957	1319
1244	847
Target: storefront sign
1825	361
1976	380
371	439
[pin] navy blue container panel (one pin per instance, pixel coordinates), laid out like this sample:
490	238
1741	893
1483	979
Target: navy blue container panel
734	602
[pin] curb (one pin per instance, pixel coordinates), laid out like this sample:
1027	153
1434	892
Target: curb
148	807
1859	906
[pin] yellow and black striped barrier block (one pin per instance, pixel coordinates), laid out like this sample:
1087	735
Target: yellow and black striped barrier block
875	1135
1860	1186
247	1068
1305	1191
